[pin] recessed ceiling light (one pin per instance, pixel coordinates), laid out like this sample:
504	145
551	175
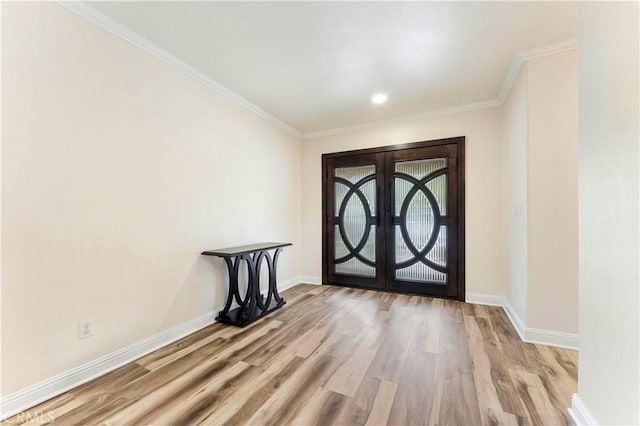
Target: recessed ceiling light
379	98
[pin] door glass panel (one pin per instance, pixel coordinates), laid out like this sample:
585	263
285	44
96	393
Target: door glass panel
355	266
438	187
369	249
355	174
420	220
420	198
422	273
438	254
416	169
341	249
340	191
354	218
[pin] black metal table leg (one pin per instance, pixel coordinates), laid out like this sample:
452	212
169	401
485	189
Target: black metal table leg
254	305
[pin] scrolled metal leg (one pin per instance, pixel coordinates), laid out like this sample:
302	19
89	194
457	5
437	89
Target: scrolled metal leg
253	305
273	264
251	298
263	303
232	270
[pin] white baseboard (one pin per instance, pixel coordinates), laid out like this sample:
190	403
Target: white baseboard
33	395
529	335
516	320
309	279
552	338
484	299
54	386
283	285
579	413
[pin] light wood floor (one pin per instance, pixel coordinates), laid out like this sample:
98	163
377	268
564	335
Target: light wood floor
337	356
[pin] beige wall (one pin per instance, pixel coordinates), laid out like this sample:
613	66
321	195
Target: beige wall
484	248
552	217
117	170
541	193
515	124
609	374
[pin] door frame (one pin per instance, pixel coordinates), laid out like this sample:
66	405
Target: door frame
460	142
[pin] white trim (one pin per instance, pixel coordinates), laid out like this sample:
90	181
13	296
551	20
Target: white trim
549	49
524	55
308	279
579	412
33	395
551	338
54	386
516	63
528	335
282	286
95	16
512	73
484	299
406	118
100	19
515	319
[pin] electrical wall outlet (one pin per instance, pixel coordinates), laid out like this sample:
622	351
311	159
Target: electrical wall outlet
517	210
86	329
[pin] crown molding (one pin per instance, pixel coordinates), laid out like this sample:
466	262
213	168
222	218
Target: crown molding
512	73
549	49
98	18
519	58
405	118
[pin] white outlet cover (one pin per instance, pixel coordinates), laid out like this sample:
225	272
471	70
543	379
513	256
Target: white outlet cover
86	328
518	210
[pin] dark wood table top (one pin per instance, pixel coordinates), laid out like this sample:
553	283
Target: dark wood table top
240	250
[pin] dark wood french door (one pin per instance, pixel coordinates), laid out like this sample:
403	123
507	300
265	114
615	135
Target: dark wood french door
393	218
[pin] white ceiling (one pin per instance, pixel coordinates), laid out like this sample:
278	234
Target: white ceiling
315	65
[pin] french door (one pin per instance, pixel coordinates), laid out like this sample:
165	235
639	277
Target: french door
394	218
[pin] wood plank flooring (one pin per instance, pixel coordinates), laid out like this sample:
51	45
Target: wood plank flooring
336	356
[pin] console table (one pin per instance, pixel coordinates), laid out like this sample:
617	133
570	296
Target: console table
254	305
